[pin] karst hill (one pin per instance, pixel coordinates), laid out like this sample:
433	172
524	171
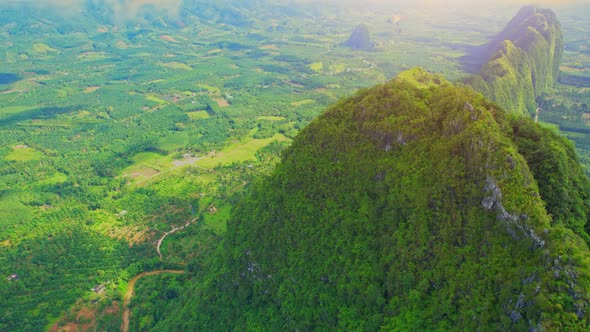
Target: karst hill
522	61
414	205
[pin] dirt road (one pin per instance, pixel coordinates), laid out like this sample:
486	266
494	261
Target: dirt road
129	294
172	232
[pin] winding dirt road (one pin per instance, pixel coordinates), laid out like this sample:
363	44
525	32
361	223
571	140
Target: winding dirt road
129	294
171	232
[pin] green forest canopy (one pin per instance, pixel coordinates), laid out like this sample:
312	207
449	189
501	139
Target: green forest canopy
414	205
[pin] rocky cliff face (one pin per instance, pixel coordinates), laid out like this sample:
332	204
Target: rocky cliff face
409	206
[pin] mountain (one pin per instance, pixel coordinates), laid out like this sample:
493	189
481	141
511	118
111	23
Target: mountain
413	205
360	38
522	61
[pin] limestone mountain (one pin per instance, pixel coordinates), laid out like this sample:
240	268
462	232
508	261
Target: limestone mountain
414	205
360	39
522	61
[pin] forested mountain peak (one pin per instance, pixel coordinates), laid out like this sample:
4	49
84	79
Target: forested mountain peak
522	61
413	205
530	17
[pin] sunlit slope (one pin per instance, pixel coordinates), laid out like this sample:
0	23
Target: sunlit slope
522	61
414	205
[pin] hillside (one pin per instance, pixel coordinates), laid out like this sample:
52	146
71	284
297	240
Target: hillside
414	205
522	61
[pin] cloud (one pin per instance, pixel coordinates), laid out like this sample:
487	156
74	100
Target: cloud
61	4
131	10
120	10
487	3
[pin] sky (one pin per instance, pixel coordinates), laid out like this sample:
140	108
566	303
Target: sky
126	10
123	10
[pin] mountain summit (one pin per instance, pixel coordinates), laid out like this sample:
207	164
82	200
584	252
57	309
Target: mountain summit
522	61
360	38
414	205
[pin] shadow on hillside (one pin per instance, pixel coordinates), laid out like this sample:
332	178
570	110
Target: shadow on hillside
36	114
8	78
476	56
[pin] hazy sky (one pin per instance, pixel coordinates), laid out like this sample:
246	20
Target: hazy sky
122	9
454	2
129	9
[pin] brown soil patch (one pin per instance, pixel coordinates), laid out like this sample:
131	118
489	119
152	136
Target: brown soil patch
85	321
102	29
168	38
113	310
586	116
20	146
85	315
133	235
221	102
270	47
145	172
91	89
121	45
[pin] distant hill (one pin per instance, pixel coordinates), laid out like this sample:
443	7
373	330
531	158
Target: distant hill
414	206
360	39
522	61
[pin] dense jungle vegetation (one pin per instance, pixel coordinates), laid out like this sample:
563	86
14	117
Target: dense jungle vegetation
129	137
413	205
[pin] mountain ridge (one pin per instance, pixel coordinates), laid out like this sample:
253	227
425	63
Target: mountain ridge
522	61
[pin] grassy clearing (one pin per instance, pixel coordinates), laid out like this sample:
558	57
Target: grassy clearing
147	164
222	102
209	88
198	115
91	89
238	152
302	102
155	99
43	48
174	142
53	179
317	67
176	65
24	153
217	221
